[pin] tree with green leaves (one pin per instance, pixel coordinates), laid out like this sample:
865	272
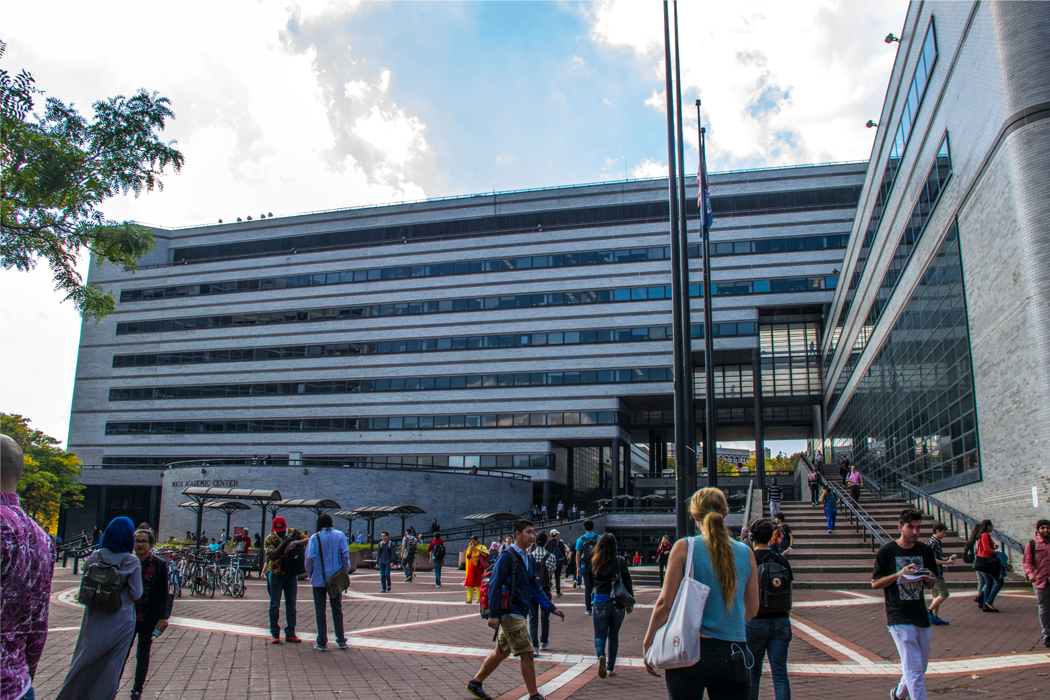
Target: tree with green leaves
50	479
59	168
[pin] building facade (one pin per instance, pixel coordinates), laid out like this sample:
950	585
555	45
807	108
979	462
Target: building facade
937	367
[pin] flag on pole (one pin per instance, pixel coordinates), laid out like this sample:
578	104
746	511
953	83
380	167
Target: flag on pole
705	190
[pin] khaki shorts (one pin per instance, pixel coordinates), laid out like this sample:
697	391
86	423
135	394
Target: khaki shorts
940	588
514	636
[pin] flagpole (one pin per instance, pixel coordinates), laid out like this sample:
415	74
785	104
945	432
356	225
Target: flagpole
710	442
680	376
683	255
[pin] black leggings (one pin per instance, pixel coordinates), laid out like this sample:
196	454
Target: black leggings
144	636
723	678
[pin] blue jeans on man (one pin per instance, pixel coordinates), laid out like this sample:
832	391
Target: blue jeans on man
384	576
770	636
287	585
438	563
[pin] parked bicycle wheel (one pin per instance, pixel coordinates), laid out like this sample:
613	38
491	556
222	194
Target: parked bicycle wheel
237	587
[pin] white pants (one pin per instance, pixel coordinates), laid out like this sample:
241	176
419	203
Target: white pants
913	646
774	508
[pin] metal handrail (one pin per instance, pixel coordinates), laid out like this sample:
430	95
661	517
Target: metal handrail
747	504
911	493
862	521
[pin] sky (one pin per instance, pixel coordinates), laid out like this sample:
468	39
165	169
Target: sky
288	107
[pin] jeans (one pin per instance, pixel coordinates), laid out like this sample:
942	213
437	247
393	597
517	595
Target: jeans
770	636
30	695
384	576
588	584
289	586
1042	597
408	565
814	493
723	678
774	508
557	578
913	646
438	563
992	585
320	598
144	636
663	567
541	619
607	618
832	513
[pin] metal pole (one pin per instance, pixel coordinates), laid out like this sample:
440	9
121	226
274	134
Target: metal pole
681	439
710	454
683	256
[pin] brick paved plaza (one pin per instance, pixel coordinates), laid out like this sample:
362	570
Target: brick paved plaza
423	641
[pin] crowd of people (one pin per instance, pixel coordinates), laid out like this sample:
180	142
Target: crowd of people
744	624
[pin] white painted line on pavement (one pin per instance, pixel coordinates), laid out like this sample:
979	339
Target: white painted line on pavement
842	649
562	679
368	630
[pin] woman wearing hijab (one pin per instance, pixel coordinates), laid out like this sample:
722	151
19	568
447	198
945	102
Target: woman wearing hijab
105	637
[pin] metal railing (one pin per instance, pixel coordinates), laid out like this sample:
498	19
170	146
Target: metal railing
862	521
747	503
926	503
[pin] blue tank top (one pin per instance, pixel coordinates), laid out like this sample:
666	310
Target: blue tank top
720	622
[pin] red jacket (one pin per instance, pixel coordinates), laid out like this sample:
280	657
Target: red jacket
1037	562
985	546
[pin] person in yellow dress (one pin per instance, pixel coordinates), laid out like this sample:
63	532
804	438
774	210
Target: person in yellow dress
477	557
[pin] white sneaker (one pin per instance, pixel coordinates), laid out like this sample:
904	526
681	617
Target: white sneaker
543	646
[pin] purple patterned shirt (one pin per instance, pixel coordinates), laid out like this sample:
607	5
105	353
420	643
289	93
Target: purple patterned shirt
28	556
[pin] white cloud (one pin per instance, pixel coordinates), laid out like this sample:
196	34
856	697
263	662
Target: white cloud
649	168
781	83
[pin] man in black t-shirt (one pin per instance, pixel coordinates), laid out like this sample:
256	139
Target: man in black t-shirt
786	540
770	630
902	569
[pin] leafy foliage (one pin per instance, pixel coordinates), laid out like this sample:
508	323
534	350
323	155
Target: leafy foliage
49	480
59	168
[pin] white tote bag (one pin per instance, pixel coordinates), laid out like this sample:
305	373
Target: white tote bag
677	642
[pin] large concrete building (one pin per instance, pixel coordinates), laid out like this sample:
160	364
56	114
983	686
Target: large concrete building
524	332
938	363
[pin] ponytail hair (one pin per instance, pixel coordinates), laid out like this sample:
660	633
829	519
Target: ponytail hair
709	507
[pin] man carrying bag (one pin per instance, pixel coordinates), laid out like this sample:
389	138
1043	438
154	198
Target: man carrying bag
329	577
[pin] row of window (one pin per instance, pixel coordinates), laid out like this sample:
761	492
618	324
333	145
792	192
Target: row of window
512	461
584	217
328	425
358	386
727	416
464	267
517	301
936	179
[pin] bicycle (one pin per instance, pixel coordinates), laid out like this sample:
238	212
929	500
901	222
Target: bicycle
232	578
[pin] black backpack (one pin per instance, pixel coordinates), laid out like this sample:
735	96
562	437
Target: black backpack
439	551
774	587
969	554
543	574
101	586
587	550
293	561
558	551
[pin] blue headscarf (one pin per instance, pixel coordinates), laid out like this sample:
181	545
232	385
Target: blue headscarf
119	536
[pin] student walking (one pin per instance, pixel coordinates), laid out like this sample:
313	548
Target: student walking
663	551
729	568
561	558
940	588
477	561
539	617
830	499
585	545
637	558
814	487
785	540
844	471
105	636
560	509
28	556
770	631
986	564
409	543
384	559
855	481
1037	570
283	581
152	610
514	572
437	556
327	554
775	494
902	569
608	615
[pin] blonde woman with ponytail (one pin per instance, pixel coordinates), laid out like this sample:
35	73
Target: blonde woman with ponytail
728	567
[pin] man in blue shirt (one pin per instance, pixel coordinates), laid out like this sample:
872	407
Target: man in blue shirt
514	637
584	547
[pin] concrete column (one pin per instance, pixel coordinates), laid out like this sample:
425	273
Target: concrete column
760	439
654	463
570	476
154	501
614	463
547	496
627	469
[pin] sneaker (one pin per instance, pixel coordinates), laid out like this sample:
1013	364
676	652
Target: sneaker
543	646
611	673
136	695
293	640
575	584
559	594
318	647
341	645
586	612
1046	642
602	673
438	585
475	689
537	696
893	694
276	639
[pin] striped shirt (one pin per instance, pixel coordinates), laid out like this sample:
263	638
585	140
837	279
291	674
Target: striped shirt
775	493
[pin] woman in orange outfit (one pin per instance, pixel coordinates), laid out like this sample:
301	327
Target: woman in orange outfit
477	560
